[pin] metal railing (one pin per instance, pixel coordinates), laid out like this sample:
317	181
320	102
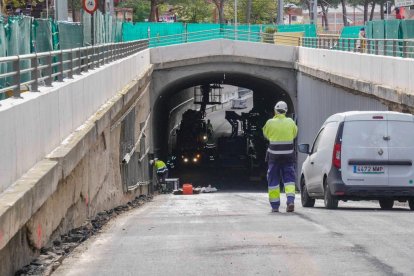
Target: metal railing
389	47
385	47
29	72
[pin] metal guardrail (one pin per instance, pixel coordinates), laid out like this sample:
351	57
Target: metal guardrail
29	72
388	47
42	69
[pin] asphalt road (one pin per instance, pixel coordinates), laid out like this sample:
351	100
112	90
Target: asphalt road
235	234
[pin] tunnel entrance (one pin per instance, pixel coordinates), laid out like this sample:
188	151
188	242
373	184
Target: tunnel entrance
217	142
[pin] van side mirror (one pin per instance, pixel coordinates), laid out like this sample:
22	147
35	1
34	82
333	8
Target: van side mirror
304	148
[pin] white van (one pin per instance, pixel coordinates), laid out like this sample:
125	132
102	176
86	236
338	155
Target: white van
360	155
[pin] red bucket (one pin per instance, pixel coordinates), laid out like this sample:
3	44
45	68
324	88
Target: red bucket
187	189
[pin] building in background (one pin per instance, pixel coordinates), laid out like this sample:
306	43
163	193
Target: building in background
124	14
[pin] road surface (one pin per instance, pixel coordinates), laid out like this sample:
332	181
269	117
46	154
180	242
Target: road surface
235	234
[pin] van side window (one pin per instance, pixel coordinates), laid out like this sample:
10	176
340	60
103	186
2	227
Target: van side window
317	141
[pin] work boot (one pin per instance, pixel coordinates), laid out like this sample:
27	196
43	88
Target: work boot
275	210
290	207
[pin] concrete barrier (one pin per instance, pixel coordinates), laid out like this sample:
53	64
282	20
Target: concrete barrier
78	178
390	72
33	126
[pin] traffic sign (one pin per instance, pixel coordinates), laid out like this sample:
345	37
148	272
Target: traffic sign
404	3
90	6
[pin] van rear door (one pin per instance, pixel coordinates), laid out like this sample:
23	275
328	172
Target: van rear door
365	150
401	149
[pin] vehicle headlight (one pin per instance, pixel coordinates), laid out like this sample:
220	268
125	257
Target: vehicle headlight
185	160
195	160
205	137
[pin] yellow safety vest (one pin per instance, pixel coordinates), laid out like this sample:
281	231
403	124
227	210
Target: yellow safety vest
280	131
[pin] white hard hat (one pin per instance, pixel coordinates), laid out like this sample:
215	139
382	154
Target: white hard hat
281	107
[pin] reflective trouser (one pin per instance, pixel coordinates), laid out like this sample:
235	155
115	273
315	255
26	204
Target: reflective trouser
162	174
287	172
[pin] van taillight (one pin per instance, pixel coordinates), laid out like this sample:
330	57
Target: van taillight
336	158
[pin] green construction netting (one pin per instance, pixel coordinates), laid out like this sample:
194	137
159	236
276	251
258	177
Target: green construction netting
347	39
3	53
244	32
392	31
42	36
70	35
407	32
18	31
99	28
87	29
117	31
308	29
160	34
350	31
203	31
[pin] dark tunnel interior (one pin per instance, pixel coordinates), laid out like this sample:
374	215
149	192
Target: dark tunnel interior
265	96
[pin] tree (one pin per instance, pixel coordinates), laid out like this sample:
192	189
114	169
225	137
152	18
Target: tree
220	7
141	9
193	11
248	11
344	15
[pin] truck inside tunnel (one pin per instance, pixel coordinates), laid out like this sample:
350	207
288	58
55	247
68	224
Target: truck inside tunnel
208	129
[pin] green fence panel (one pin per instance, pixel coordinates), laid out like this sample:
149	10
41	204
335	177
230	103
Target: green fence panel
369	30
378	32
344	41
70	35
18	34
99	28
42	35
392	31
108	24
55	35
87	29
162	34
118	32
202	31
407	32
132	31
308	29
3	53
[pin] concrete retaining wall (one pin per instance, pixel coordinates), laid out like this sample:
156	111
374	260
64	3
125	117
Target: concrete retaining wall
79	178
33	126
383	73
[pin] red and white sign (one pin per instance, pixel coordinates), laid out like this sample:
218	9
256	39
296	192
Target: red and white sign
90	6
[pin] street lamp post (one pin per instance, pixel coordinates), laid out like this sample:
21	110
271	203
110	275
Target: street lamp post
235	19
280	12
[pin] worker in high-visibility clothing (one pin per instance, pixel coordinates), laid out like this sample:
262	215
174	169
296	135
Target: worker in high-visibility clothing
161	169
281	132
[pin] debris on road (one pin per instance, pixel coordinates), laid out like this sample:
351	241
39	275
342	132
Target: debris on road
208	189
51	258
197	190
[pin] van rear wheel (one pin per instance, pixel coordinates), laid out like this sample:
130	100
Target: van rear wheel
386	203
330	201
306	200
411	204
